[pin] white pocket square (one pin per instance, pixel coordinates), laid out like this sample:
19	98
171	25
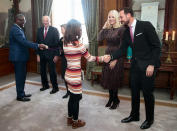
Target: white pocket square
139	34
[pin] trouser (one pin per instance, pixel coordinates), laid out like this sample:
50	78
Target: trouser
52	72
73	105
139	80
20	77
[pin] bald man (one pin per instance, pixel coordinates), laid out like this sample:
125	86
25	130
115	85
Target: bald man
49	36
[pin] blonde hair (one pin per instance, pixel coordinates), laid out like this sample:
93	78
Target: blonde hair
115	13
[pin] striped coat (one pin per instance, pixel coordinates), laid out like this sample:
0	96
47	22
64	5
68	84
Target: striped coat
73	56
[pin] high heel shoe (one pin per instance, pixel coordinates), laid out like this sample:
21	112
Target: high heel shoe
109	103
114	105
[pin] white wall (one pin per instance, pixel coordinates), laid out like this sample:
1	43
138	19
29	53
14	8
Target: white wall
25	8
161	13
5	5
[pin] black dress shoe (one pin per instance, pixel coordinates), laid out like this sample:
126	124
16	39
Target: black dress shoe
54	91
146	124
44	88
24	99
109	103
27	95
129	119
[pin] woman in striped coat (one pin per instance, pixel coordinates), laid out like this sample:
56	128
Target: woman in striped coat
73	51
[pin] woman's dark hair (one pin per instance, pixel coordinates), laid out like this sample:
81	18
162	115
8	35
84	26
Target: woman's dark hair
72	32
127	10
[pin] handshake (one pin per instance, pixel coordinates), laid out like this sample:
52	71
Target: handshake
42	46
106	58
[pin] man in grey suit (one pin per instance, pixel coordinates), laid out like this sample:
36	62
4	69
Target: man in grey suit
145	44
19	55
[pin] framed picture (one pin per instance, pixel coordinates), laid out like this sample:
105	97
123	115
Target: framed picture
137	7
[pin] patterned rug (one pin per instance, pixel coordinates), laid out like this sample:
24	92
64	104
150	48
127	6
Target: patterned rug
46	112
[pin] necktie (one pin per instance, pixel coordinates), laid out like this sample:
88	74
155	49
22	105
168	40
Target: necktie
45	33
131	33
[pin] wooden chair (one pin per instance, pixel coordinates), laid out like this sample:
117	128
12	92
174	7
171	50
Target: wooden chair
97	69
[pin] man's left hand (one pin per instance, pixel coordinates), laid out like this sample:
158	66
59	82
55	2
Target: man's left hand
149	70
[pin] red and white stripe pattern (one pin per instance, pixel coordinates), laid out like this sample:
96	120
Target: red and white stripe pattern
73	56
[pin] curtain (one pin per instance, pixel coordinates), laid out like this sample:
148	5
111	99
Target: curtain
91	16
41	8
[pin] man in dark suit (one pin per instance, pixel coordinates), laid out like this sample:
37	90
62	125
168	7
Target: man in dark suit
145	44
19	55
50	37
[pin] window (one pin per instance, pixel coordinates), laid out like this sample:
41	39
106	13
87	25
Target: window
64	10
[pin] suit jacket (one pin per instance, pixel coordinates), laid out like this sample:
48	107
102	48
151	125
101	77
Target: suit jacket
51	39
145	48
19	45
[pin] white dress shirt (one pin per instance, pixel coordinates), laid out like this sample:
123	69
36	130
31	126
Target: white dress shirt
133	25
47	29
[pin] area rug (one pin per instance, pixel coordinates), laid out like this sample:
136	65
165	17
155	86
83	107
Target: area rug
46	112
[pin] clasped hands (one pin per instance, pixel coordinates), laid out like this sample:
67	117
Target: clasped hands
107	58
149	69
42	46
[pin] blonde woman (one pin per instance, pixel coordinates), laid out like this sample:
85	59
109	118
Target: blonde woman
112	73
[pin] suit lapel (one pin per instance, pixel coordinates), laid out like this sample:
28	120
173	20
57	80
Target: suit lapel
128	35
42	32
21	30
